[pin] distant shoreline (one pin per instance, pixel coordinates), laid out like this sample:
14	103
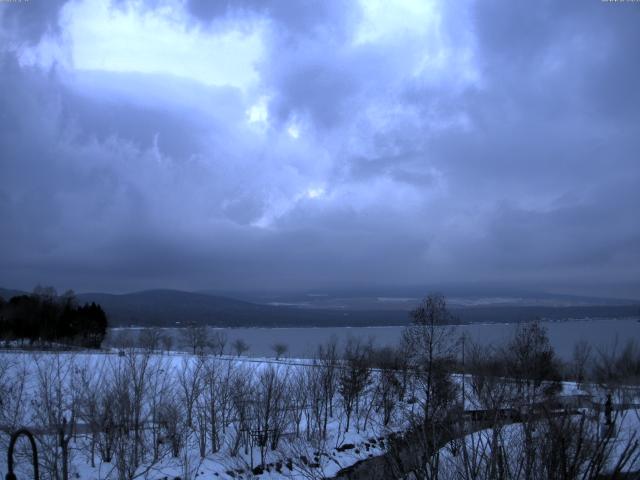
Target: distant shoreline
322	327
303	341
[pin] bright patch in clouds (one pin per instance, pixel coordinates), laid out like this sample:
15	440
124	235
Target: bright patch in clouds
315	192
383	20
293	131
417	26
160	41
258	112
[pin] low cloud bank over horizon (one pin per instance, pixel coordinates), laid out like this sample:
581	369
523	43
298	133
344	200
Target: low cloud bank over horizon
267	144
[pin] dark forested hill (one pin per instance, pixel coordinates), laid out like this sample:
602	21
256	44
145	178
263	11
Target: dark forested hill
176	308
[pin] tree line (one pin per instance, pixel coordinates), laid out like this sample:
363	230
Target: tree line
46	318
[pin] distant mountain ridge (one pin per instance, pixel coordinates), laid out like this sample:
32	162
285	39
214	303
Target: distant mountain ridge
406	299
179	308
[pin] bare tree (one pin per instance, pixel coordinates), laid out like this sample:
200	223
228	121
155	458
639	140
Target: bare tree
617	370
532	363
492	396
241	397
13	383
580	360
269	408
171	425
56	410
388	382
150	339
161	380
227	376
202	414
430	344
218	342
327	364
314	386
353	377
240	347
533	368
190	384
298	397
166	340
211	403
128	407
92	388
279	349
196	337
123	338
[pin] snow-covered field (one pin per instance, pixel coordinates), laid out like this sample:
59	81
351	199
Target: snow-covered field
175	415
186	402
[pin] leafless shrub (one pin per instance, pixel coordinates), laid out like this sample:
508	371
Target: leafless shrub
196	338
279	349
240	347
218	342
580	361
353	377
55	410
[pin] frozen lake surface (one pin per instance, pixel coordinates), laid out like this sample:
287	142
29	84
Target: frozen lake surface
303	342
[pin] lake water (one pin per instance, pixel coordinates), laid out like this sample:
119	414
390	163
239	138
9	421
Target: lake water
303	342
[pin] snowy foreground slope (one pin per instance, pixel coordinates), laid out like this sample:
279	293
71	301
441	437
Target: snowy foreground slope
471	457
187	405
156	416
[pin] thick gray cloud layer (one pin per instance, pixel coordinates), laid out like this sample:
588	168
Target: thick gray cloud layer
499	144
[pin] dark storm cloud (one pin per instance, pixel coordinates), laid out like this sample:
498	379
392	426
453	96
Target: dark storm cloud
552	126
28	21
502	149
293	19
307	68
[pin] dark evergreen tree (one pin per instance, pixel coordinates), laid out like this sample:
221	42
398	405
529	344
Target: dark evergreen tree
45	317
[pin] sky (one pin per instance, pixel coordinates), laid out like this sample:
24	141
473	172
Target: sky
271	144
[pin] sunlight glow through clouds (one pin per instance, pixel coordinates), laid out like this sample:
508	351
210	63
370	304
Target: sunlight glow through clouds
315	192
160	41
293	131
418	25
283	205
258	112
383	19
